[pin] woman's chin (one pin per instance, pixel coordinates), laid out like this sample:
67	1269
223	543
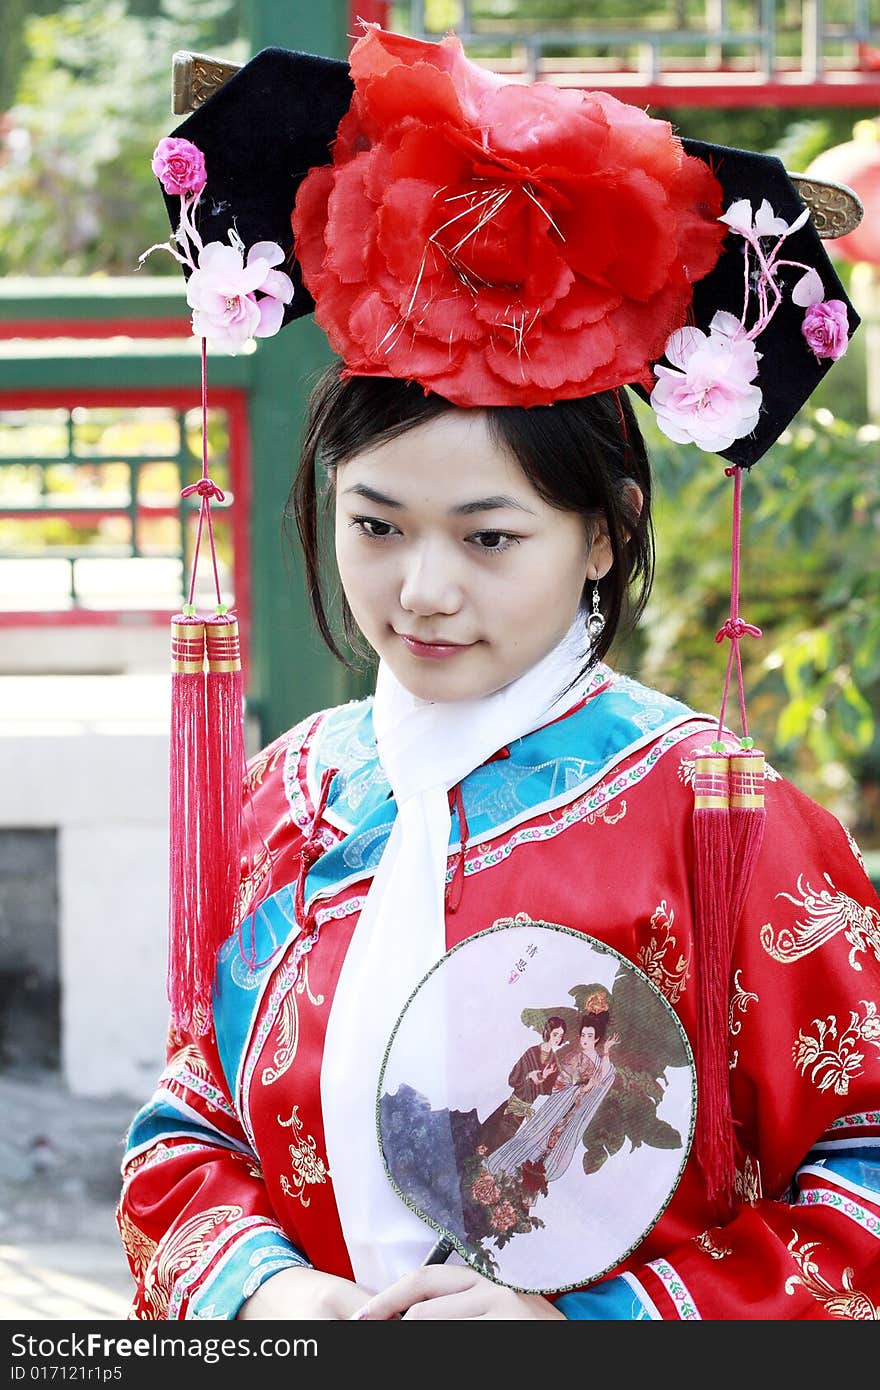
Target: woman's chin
438	682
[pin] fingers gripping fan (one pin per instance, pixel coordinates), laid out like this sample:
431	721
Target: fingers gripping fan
536	1105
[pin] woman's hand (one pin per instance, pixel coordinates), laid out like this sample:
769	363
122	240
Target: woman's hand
451	1293
301	1292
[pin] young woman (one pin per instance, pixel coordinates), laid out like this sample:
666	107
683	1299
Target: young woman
552	1135
468	545
534	1074
487	553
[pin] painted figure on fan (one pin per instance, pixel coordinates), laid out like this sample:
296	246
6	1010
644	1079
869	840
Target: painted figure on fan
551	1136
534	1074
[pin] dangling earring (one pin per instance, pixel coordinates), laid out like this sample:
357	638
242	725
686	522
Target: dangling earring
596	621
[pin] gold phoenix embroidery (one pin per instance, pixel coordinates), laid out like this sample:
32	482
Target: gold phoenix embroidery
130	1166
179	1251
201	1024
747	1182
288	1025
670	980
853	846
264	762
302	983
252	882
288	1039
827	913
190	1058
305	1164
707	1243
834	1066
847	1302
740	1000
139	1247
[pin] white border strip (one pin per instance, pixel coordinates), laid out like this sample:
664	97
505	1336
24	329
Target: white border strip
677	1289
833	1179
643	1296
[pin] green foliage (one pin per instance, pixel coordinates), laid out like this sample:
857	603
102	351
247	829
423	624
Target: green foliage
795	134
629	1112
810	580
77	195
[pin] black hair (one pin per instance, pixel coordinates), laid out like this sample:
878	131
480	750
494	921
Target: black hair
598	1022
554	1021
580	455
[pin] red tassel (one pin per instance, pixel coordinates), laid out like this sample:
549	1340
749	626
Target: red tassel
207	763
713	864
220	800
187	775
455	887
747	821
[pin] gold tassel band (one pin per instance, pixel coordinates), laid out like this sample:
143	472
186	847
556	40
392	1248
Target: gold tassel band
187	647
224	647
711	782
747	781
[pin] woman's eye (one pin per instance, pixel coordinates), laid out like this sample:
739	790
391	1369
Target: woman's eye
372	526
495	540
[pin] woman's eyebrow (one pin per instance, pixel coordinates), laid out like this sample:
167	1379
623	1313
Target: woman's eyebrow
480	504
491	504
372	495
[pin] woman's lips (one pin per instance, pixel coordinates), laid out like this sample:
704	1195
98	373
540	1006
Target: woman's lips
434	651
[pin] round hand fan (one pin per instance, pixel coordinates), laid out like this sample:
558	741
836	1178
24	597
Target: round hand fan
536	1105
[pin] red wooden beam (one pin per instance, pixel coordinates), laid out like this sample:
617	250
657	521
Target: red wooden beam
733	94
86	617
95	328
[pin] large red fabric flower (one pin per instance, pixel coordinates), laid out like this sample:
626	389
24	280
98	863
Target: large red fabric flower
501	244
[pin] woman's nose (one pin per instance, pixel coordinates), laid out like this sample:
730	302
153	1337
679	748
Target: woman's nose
428	585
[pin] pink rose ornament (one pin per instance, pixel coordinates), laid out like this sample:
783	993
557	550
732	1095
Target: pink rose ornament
179	165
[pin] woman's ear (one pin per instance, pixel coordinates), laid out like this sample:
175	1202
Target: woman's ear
635	499
601	557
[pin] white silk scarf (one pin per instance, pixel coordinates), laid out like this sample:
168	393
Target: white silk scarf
425	749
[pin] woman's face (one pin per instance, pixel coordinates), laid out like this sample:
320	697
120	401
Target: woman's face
588	1038
459	575
556	1036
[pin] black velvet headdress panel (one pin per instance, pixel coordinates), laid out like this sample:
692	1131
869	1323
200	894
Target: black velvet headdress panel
277	117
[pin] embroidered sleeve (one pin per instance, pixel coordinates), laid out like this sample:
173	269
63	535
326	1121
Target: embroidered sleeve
194	1214
618	1300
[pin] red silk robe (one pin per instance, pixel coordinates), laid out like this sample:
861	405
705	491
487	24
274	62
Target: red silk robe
226	1180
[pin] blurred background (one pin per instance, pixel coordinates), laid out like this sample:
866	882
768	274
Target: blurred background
100	429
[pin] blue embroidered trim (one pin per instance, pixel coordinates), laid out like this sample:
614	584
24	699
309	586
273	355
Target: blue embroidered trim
860	1167
238	988
252	1260
548	768
160	1118
614	1299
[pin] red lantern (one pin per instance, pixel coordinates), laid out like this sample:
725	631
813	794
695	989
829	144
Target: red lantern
856	164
